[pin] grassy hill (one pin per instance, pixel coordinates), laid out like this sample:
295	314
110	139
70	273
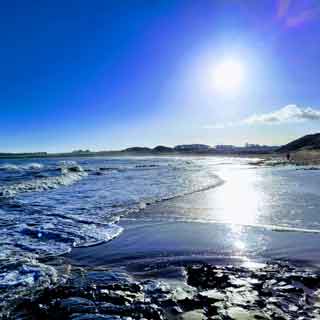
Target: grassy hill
308	142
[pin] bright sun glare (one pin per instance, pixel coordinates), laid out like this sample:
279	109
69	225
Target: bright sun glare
228	76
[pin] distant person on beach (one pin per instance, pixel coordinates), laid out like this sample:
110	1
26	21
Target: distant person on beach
288	156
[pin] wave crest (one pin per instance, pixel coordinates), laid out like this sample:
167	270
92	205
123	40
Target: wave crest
26	167
42	184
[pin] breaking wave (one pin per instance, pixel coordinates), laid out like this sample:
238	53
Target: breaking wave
51	206
42	184
16	167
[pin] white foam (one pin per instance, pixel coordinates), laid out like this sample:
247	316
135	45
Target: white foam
67	163
15	167
33	166
41	184
96	234
9	167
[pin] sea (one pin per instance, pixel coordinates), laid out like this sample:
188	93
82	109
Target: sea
51	207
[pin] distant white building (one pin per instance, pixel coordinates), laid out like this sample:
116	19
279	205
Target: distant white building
225	147
252	145
192	147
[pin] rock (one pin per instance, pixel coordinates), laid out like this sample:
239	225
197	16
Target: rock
77	305
193	315
148	311
184	292
212	295
113	281
238	313
116	297
274	291
176	310
154	286
207	277
151	311
289	288
112	309
95	317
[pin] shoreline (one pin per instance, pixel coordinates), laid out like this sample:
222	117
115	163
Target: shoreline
180	242
164	242
299	158
208	223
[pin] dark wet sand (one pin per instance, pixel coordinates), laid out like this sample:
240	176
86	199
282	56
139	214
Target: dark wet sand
149	243
151	238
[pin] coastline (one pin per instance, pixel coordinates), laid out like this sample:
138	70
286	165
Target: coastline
299	158
165	233
166	242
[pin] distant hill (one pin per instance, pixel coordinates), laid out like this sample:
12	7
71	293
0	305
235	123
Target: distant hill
310	142
192	147
185	149
162	149
137	150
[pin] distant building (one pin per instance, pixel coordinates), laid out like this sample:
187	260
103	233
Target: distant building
225	147
192	147
247	148
251	145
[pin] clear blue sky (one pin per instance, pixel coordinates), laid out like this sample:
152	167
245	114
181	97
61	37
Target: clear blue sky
111	74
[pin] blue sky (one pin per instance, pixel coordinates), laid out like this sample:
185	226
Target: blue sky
112	74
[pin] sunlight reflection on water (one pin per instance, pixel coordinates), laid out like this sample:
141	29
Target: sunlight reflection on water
240	202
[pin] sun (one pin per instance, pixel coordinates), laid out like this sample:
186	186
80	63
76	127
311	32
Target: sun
228	76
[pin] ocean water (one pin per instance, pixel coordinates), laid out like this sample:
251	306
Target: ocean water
50	206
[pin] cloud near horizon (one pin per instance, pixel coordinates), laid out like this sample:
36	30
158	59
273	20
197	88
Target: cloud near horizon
289	113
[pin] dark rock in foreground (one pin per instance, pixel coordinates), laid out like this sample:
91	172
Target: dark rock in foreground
210	292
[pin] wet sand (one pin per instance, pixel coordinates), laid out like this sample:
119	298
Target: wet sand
161	243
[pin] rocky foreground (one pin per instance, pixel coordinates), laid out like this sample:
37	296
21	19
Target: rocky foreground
209	292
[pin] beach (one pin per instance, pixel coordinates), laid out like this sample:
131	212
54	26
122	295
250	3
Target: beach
207	226
160	160
217	242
